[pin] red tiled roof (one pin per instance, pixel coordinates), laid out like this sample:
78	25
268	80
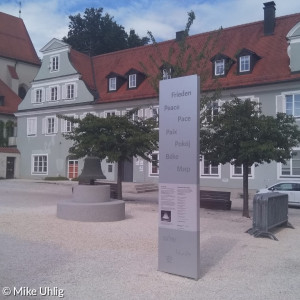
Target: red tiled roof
15	42
9	150
11	100
83	64
271	68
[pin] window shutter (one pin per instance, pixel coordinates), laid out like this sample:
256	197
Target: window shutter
280	104
33	96
63	125
48	92
75	90
148	113
64	91
140	113
58	93
33	126
55	124
43	94
220	103
44	120
29	129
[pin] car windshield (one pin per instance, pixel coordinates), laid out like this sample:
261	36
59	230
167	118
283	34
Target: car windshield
286	186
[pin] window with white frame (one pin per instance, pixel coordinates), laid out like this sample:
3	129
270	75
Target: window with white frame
112	84
50	125
154	164
54	63
39	164
132	81
219	67
72	169
209	170
111	113
292	166
212	111
236	171
32	126
167	73
38	96
138	114
292	103
66	125
70	91
155	113
152	112
69	126
245	63
54	93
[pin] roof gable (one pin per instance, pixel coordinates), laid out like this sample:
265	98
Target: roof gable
15	42
55	45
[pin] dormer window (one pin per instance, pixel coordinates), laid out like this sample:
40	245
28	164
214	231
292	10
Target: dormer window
112	84
132	81
54	63
134	78
221	65
293	39
167	73
114	81
246	61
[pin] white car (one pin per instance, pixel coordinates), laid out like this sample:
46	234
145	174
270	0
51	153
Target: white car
288	187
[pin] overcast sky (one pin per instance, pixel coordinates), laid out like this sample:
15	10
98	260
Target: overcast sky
47	19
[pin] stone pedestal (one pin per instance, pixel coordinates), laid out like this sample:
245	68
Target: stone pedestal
92	203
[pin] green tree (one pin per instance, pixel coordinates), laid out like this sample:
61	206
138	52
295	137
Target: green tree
2	137
115	138
95	33
240	134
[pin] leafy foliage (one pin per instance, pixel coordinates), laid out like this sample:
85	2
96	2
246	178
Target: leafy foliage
6	131
95	33
116	138
242	135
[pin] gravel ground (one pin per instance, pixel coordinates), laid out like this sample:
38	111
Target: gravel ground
118	260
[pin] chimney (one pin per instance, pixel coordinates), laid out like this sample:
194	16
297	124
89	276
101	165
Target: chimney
269	17
180	35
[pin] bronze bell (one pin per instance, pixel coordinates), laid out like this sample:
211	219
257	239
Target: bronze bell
91	171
